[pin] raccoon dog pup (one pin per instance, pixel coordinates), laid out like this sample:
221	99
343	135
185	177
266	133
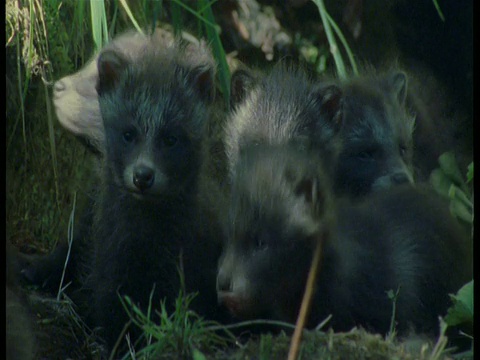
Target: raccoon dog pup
76	99
154	113
78	110
360	126
375	131
403	238
280	107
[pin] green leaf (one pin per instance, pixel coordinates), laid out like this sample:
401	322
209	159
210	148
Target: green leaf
440	182
470	172
449	166
439	11
197	355
457	194
462	309
390	294
460	206
460	211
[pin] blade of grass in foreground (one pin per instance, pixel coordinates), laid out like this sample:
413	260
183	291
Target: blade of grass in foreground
99	23
344	43
218	51
130	16
205	15
334	50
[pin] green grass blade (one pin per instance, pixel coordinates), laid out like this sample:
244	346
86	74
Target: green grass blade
130	16
201	4
218	51
334	50
439	11
53	150
99	23
344	43
176	18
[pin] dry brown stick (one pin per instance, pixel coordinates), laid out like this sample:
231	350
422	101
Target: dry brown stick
305	306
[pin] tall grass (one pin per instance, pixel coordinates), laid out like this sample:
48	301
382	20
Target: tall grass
41	159
332	29
211	31
178	334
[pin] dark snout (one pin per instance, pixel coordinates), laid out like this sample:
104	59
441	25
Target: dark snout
143	177
397	177
400	178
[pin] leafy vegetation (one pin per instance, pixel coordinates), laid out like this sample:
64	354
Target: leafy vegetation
462	309
449	182
180	334
329	24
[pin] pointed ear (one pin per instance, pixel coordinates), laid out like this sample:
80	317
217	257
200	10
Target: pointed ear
203	80
398	84
111	65
241	84
330	100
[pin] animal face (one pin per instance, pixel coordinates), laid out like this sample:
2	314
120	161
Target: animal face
154	112
376	136
279	107
278	209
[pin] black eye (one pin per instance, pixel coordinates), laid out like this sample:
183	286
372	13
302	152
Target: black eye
366	154
129	136
170	141
403	150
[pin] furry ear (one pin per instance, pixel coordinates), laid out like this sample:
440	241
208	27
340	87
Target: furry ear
398	83
241	84
111	65
202	79
330	100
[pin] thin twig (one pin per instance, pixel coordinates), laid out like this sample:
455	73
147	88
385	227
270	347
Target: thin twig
71	223
119	340
307	300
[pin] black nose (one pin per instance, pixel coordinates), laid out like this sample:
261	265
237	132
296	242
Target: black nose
224	282
143	177
400	178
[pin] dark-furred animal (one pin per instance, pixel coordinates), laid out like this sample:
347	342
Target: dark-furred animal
282	106
359	126
77	108
155	112
403	238
375	131
78	111
76	99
